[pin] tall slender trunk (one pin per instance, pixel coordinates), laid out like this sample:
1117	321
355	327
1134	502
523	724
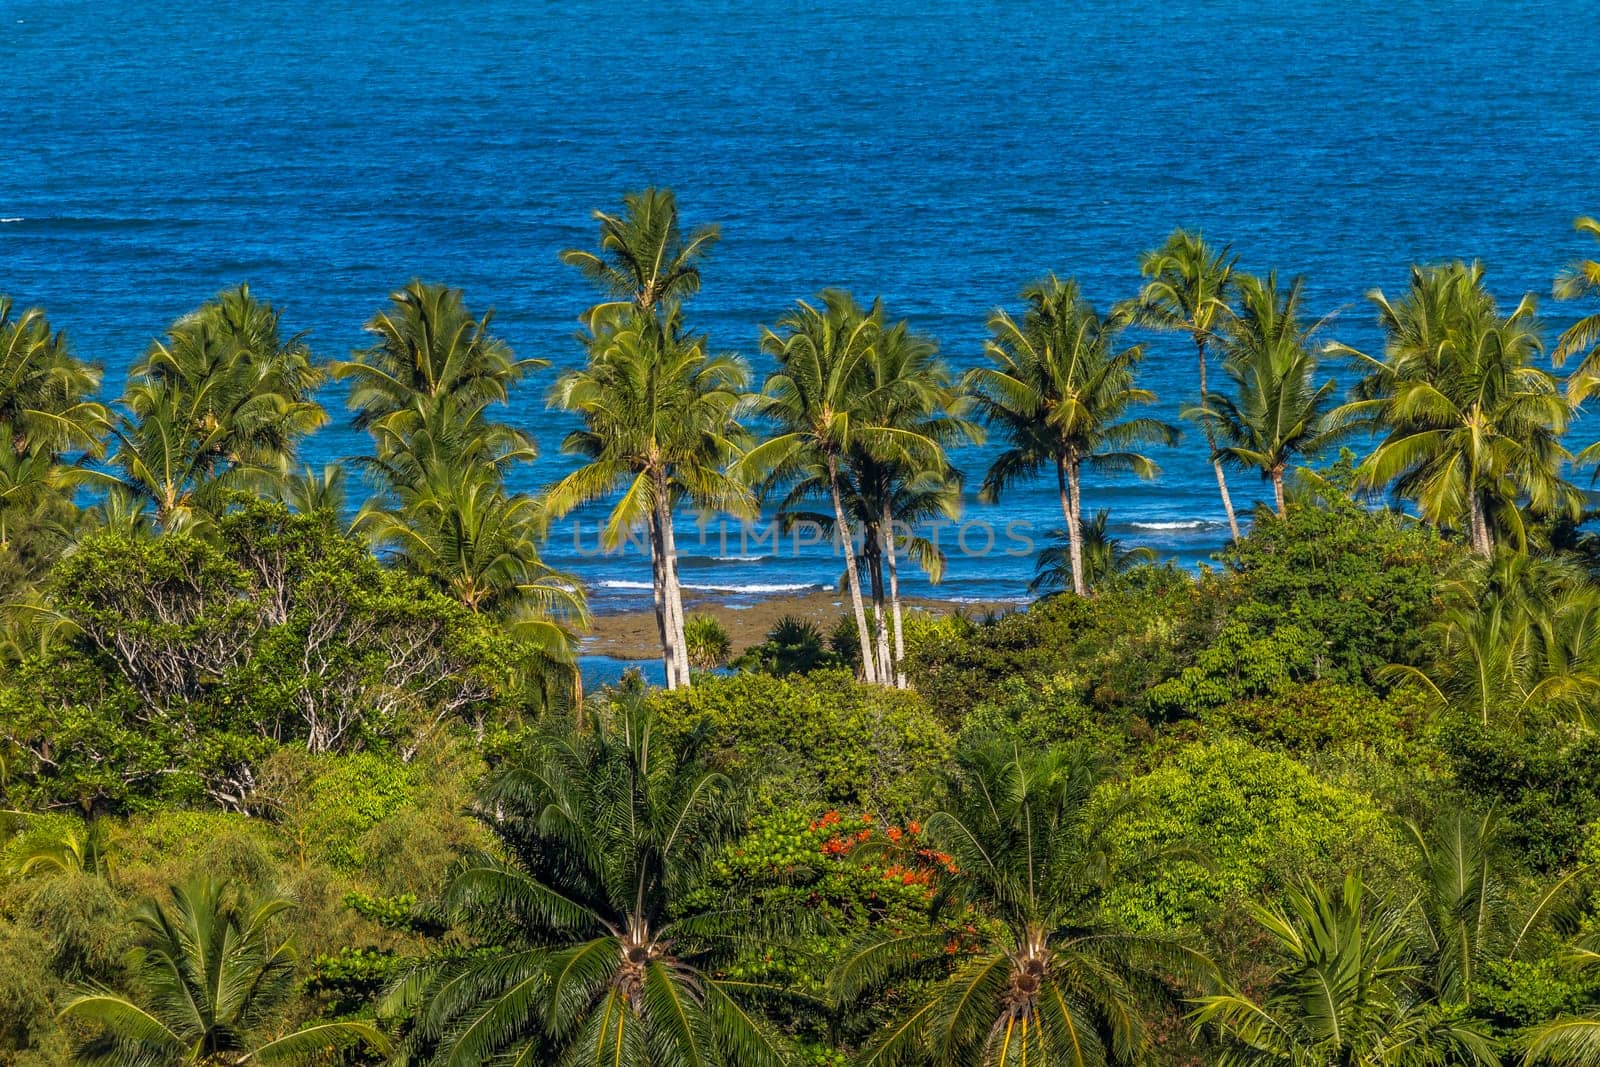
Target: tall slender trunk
894	598
658	576
880	608
1080	585
869	669
1482	542
1211	443
1074	530
674	590
1277	490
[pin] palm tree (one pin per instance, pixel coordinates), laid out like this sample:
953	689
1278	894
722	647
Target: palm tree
1470	427
1049	977
1277	411
915	396
602	952
661	425
216	982
479	544
645	258
1515	633
1464	915
1569	1041
45	404
1058	390
1187	290
429	347
221	402
1579	279
822	402
1102	556
1345	992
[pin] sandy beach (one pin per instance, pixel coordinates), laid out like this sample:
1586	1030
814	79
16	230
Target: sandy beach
632	635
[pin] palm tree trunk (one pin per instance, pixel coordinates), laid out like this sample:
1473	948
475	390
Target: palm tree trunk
1482	542
1075	529
869	669
880	607
1277	490
894	598
680	642
658	581
1211	443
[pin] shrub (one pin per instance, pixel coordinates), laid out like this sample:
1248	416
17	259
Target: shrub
327	804
793	646
1363	582
1254	819
1045	711
1241	664
822	735
1327	715
709	645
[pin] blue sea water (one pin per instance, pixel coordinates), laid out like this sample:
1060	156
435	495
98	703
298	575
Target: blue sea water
937	154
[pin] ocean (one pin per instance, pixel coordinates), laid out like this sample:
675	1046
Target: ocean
938	155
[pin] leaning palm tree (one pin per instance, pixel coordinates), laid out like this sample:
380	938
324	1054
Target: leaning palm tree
1187	289
1469	427
1579	279
1345	991
1058	390
1277	411
1050	977
661	425
216	983
1103	556
645	258
821	400
601	947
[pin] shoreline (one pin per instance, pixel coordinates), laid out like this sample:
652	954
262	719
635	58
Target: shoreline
631	635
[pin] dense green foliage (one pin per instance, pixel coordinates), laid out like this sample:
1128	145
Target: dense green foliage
284	779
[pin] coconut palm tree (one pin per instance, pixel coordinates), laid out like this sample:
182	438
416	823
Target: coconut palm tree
1277	411
220	403
1188	289
661	425
216	983
45	392
1102	556
1469	427
1058	390
428	347
1345	991
915	395
645	258
1050	977
1579	279
603	953
821	401
481	545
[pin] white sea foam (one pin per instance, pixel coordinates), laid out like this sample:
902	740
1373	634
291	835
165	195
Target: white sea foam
756	587
14	218
1188	524
738	559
